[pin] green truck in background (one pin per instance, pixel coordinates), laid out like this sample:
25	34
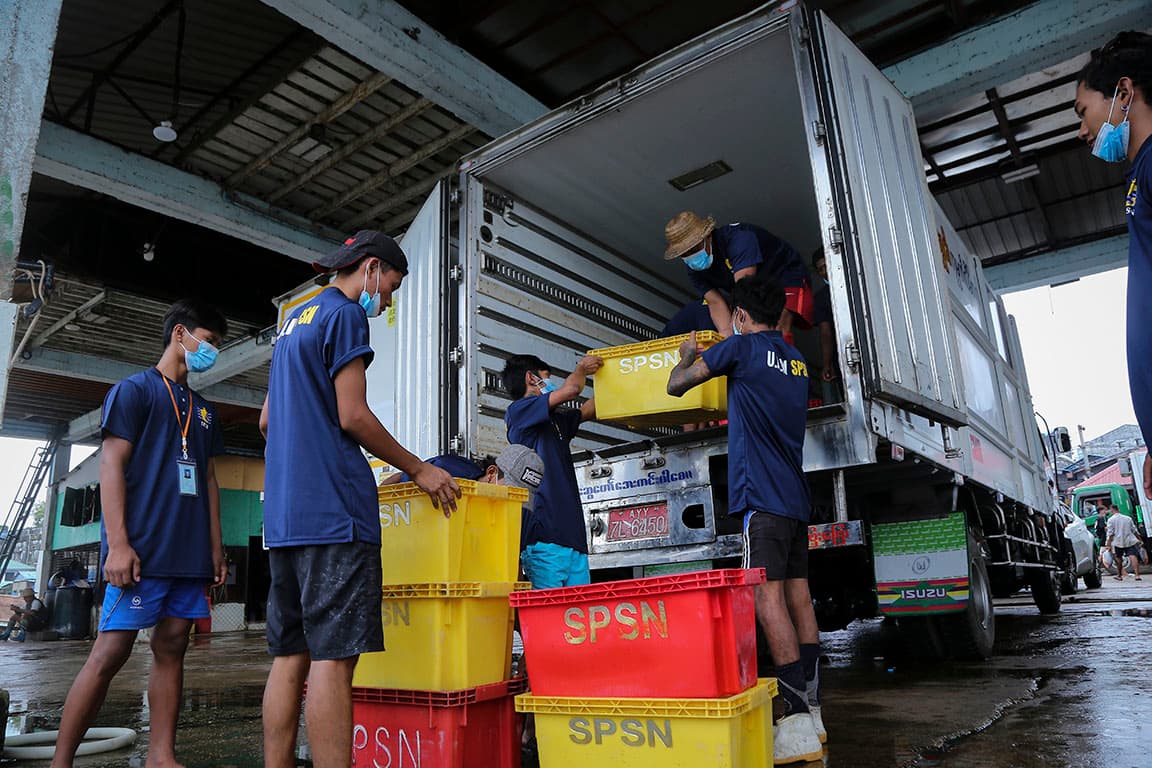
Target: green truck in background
1131	500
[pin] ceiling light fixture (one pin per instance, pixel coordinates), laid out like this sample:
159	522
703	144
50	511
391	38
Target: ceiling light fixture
165	132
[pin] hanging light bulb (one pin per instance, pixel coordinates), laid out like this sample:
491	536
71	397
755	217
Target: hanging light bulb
165	132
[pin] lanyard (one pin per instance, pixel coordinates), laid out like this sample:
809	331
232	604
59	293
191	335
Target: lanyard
187	422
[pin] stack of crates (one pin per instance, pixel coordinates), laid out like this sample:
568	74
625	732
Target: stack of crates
632	385
439	696
648	672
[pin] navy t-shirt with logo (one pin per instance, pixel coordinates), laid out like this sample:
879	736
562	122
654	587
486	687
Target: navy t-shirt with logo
557	515
1138	212
740	246
767	416
169	531
318	486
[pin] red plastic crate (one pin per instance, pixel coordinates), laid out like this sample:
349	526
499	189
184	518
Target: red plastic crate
473	728
687	636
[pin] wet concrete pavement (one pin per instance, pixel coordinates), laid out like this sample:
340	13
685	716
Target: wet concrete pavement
1069	690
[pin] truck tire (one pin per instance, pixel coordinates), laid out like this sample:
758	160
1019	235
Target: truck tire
1069	581
972	634
1045	586
1094	578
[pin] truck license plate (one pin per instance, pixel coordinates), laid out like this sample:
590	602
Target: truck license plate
644	522
829	535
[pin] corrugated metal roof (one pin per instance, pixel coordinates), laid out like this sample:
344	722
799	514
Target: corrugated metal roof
1110	475
123	328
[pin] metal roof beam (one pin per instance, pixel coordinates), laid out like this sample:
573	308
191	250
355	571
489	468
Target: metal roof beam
394	170
1061	266
337	156
389	38
89	163
74	365
347	100
1035	37
234	361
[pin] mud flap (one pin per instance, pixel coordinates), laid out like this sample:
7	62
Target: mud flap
921	566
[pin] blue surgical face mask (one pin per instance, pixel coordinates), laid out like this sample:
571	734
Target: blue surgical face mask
203	358
547	386
735	330
1111	143
371	303
699	261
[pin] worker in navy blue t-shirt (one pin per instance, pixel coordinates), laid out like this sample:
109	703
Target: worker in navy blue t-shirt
1114	104
767	413
160	538
716	257
825	324
554	537
321	513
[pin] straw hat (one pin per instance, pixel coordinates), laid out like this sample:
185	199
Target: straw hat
685	230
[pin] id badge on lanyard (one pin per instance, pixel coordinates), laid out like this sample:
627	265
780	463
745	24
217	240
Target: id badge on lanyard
187	477
185	467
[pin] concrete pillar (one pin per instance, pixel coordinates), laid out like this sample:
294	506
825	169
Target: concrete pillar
27	36
61	464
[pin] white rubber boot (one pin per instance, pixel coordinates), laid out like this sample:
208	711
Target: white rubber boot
794	740
814	708
818	724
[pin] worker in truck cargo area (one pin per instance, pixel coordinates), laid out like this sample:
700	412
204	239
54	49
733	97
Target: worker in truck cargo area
321	512
822	319
1114	104
767	416
555	541
716	257
160	532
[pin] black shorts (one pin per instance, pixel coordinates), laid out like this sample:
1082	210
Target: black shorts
777	544
325	600
1133	551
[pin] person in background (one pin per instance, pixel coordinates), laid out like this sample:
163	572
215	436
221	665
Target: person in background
717	257
555	537
822	320
1101	527
1124	540
767	416
321	509
1114	104
160	536
32	617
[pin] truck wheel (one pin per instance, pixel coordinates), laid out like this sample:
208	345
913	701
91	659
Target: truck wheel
1045	586
1094	578
971	634
1069	581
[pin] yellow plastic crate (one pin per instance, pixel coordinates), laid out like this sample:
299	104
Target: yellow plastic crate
632	386
442	637
480	542
655	733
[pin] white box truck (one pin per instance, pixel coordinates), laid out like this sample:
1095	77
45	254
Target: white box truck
927	481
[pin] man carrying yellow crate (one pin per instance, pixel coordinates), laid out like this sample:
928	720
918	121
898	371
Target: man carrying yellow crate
321	512
556	544
767	406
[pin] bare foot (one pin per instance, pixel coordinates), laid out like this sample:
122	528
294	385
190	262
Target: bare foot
162	762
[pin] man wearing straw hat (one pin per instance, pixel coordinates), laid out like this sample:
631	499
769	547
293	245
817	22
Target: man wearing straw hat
717	257
767	407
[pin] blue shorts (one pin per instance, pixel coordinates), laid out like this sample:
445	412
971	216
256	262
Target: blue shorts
151	600
551	565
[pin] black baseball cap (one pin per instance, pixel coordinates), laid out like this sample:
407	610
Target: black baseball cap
365	243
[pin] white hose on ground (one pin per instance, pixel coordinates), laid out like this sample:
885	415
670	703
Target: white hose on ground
42	744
